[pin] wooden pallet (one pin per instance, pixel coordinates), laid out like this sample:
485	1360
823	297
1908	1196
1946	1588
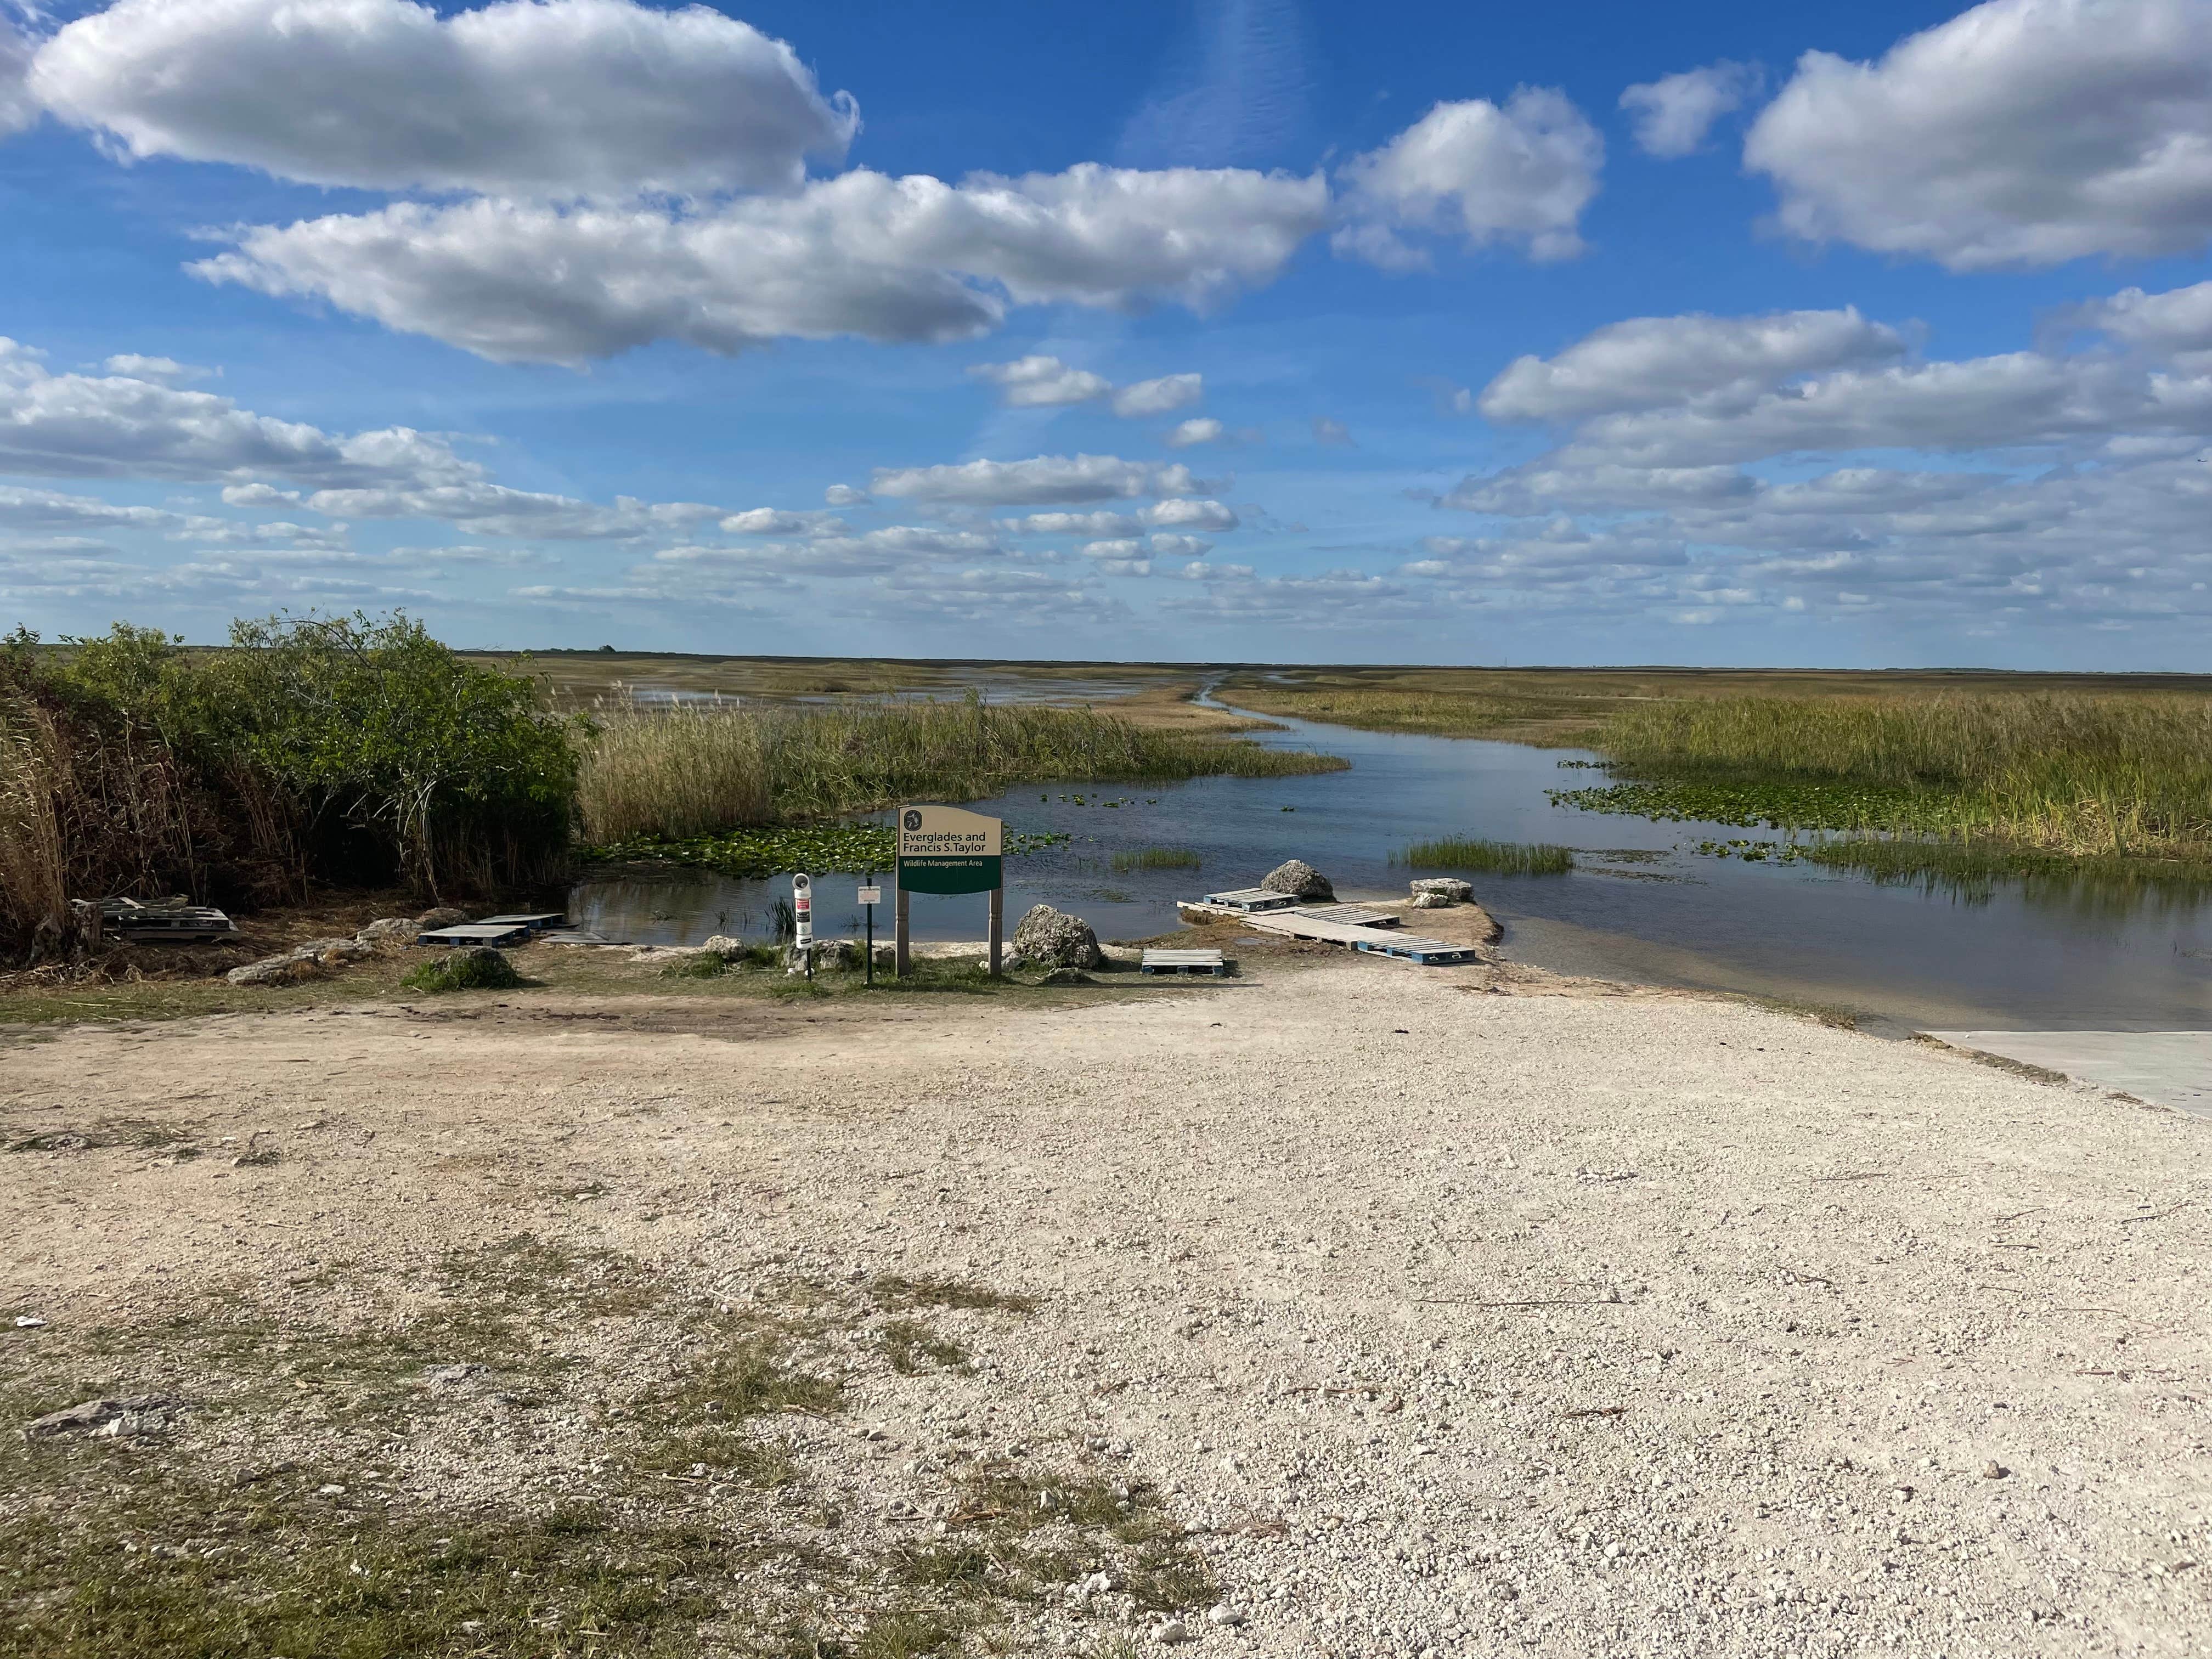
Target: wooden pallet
474	933
536	920
1300	923
1352	916
1185	962
1429	953
1248	899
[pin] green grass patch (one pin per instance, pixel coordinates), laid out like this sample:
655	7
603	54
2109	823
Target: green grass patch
908	1343
1155	858
1504	858
481	970
895	1291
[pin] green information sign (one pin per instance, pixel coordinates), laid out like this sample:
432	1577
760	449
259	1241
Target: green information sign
942	849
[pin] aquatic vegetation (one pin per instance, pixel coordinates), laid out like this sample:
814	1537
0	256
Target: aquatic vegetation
2071	774
1506	858
1155	858
848	848
1765	803
676	773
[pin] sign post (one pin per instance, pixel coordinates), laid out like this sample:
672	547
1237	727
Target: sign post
871	896
802	916
943	849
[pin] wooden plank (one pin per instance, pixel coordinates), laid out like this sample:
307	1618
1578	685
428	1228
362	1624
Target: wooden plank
536	920
1299	924
473	932
1429	953
1157	960
1253	898
1352	916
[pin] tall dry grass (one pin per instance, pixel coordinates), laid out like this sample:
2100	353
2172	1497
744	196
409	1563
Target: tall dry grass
675	772
2124	775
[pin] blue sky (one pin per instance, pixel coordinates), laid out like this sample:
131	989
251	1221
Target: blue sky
1610	333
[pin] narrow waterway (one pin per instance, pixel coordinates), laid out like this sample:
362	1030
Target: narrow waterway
1640	905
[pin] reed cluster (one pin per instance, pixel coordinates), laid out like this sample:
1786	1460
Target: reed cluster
1155	858
1501	858
676	772
2122	776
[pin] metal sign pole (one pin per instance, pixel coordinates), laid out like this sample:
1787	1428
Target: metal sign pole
901	959
998	925
870	896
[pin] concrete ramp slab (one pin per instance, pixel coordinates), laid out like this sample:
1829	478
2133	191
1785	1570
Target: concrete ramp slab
2171	1068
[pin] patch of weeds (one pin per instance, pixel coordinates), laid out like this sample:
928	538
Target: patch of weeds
527	1272
1123	1525
149	1561
907	1342
480	969
708	964
895	1291
697	1427
1163	1576
754	1381
903	1635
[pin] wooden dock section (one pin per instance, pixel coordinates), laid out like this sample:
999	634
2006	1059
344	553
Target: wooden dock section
1302	924
1351	916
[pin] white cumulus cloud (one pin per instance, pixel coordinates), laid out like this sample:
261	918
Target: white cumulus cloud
1674	113
1161	397
554	98
1071	524
1042	481
1521	173
2177	323
1646	361
894	259
121	427
1205	429
2021	132
1183	513
1038	381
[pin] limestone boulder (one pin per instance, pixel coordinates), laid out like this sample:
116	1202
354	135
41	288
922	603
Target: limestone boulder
1300	880
1057	940
445	915
290	968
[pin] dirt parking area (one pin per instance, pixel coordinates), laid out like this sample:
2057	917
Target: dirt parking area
1344	1309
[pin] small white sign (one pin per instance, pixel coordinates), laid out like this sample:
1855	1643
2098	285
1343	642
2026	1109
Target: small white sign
871	896
802	910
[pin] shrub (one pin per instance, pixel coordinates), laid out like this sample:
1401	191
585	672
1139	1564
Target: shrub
348	748
481	970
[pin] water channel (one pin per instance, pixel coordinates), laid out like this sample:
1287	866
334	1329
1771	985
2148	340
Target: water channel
1641	904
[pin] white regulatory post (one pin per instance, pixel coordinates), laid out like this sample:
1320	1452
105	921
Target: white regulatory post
802	916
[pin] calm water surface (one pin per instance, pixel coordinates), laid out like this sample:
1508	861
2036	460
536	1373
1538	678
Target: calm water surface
1642	905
